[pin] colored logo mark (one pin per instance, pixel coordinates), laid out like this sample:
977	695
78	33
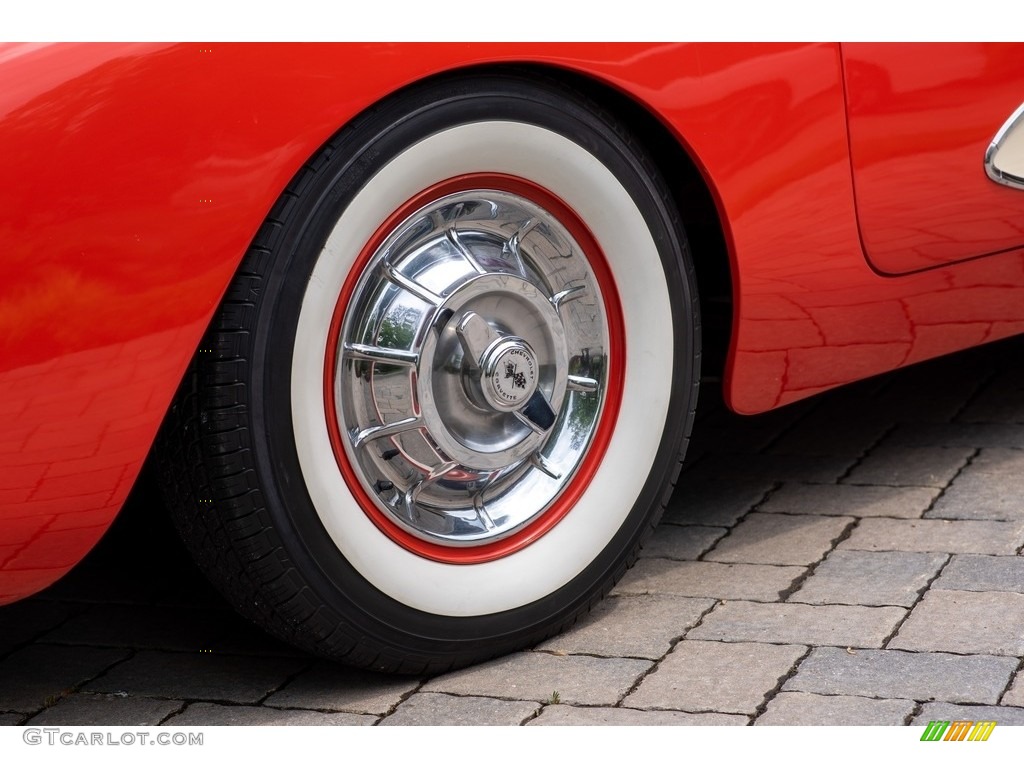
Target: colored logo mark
958	730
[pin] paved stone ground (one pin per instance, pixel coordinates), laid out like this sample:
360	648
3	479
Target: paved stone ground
853	559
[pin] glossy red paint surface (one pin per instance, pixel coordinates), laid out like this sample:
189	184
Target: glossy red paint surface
921	117
135	177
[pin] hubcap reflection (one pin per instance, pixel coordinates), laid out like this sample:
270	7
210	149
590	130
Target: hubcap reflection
471	368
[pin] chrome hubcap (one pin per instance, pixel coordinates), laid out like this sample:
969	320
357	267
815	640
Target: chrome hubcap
471	367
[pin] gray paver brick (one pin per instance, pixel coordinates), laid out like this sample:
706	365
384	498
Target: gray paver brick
907	465
825	435
106	709
536	676
845	625
954	536
642	626
219	714
1000	402
851	500
443	709
870	578
713	503
760	466
719	677
564	715
197	676
34	674
681	542
903	675
1004	463
780	539
795	708
983	573
701	579
940	710
334	687
970	435
1015	696
965	622
978	496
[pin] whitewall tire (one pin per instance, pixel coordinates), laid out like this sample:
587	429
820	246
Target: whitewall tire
453	383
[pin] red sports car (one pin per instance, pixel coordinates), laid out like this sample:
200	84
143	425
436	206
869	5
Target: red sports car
415	332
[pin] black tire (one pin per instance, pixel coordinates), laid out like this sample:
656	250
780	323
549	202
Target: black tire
247	504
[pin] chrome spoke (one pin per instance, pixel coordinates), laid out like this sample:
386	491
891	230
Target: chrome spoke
544	466
406	283
478	504
412	495
438	220
453	237
582	384
386	430
537	429
569	294
537	413
380	354
515	243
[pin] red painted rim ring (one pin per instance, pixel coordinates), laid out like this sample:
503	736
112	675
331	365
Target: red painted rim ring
601	437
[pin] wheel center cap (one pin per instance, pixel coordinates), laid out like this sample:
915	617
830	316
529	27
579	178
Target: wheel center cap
509	374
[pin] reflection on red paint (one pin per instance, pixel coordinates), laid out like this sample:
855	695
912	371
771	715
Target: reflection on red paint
921	118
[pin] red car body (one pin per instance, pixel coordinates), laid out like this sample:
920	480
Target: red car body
861	231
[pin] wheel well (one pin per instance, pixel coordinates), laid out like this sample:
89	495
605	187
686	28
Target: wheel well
692	199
